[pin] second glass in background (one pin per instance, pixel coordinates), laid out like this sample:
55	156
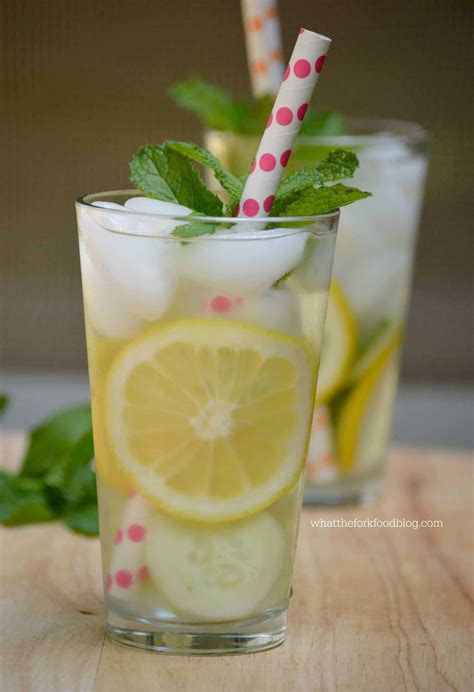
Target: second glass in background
368	299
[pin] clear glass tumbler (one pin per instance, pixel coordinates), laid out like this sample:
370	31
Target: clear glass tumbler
368	299
203	355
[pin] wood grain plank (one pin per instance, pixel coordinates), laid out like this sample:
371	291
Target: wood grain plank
373	608
51	632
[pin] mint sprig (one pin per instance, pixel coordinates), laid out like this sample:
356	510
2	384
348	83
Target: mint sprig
3	402
220	110
321	200
337	165
163	173
305	192
167	172
215	107
56	480
234	186
22	500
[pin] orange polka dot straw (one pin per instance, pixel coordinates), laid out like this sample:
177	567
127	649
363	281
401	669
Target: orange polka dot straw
255	24
260	67
263	43
284	123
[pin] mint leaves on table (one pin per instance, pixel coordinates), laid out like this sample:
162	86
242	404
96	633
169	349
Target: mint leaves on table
3	402
56	480
52	439
22	500
218	109
156	171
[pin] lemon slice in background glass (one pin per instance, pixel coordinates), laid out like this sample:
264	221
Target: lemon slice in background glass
339	345
365	417
210	418
379	339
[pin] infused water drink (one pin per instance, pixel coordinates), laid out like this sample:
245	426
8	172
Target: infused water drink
203	356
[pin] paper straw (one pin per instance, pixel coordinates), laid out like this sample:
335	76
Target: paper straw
284	123
264	47
128	569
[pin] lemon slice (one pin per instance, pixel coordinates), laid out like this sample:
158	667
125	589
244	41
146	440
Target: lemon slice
210	418
101	352
365	418
376	343
339	345
216	573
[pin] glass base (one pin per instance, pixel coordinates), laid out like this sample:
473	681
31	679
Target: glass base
360	492
201	640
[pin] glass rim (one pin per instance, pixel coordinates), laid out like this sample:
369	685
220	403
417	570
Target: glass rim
85	201
406	131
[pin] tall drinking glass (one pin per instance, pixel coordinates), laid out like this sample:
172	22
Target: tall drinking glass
368	299
203	355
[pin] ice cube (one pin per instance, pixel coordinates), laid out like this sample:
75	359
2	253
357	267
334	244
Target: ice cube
108	205
314	272
274	309
395	177
243	264
108	312
142	268
139	220
377	287
146	205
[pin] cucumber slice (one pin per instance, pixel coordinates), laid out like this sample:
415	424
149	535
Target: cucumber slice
215	573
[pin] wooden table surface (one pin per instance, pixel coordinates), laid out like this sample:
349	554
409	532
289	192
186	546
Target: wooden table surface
373	608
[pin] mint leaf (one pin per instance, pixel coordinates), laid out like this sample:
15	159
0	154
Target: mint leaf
194	228
51	440
337	165
220	110
4	399
323	124
321	200
146	173
83	519
160	172
215	107
72	480
22	501
229	182
57	480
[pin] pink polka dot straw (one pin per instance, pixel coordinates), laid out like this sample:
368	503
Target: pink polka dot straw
263	43
128	569
284	123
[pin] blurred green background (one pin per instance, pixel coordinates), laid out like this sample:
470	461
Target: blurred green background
85	83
